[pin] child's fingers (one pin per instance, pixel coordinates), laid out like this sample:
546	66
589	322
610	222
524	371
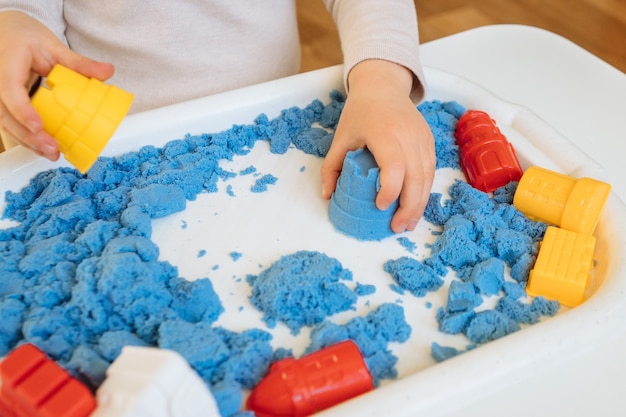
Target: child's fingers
332	165
86	66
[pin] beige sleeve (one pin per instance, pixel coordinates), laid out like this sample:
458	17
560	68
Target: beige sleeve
48	12
375	29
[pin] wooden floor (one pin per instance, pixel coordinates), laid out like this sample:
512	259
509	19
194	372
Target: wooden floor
598	26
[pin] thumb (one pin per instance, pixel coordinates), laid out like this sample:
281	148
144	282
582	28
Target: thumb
331	168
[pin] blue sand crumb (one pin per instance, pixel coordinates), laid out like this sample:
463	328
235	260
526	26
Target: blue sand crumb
488	276
236	255
314	141
527	313
301	289
407	243
419	278
330	114
372	334
454	322
462	296
302	168
514	290
490	325
229	190
201	253
442	353
261	184
396	288
250	170
364	289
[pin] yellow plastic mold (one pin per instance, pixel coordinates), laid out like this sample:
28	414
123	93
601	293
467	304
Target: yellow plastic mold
80	113
561	200
562	269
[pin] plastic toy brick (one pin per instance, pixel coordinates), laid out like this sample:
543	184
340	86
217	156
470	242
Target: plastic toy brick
558	199
35	386
562	269
80	113
151	382
301	387
487	158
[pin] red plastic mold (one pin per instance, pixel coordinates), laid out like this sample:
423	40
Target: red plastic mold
487	158
301	387
35	386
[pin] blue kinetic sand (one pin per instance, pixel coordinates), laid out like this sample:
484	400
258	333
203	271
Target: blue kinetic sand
352	208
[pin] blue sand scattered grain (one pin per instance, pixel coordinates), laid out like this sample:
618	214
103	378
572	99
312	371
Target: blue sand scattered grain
261	184
201	253
314	141
249	170
442	353
396	288
418	278
407	243
364	289
229	190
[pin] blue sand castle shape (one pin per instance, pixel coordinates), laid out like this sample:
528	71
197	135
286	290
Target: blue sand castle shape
352	208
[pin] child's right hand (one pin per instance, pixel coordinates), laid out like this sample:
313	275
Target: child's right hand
28	49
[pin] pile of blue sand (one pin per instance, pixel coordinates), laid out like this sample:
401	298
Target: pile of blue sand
81	277
482	237
352	209
301	289
442	118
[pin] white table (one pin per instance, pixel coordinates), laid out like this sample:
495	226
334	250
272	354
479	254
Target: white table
583	98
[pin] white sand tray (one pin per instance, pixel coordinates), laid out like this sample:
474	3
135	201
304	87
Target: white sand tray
291	216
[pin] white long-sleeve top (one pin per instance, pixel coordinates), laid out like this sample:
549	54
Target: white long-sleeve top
167	51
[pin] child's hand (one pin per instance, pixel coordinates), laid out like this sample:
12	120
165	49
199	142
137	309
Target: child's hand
28	50
379	115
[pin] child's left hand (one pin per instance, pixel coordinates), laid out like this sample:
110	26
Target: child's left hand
379	115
